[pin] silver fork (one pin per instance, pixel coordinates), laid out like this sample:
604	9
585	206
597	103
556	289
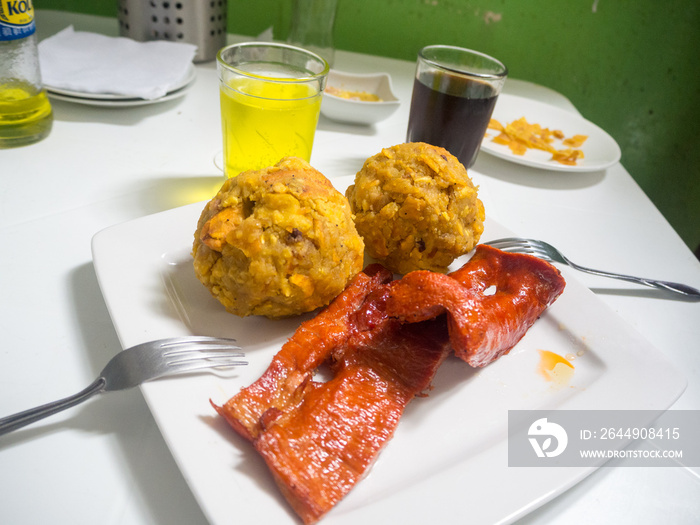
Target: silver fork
548	252
137	365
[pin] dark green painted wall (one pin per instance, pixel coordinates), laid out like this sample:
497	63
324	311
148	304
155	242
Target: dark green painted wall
632	67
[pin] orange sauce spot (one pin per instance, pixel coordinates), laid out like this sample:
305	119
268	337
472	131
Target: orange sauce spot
555	368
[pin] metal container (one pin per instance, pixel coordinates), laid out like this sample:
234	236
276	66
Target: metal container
198	22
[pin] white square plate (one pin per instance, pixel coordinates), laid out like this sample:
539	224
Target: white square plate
447	461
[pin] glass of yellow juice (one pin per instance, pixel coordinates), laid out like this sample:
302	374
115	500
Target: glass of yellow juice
270	102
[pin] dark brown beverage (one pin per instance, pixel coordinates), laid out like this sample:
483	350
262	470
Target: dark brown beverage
451	111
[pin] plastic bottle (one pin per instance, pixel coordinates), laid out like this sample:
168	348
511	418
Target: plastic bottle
25	112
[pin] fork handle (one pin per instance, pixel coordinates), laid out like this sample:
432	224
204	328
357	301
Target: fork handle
21	419
683	289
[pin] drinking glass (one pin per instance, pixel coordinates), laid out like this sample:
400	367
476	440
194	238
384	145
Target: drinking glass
454	93
270	101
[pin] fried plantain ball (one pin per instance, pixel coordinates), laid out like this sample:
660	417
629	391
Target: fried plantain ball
416	208
277	242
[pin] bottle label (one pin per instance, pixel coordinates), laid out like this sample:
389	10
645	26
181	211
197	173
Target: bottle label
16	19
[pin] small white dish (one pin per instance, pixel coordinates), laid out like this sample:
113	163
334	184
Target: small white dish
358	111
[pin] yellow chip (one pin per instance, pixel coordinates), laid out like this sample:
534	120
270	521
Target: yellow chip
576	141
520	135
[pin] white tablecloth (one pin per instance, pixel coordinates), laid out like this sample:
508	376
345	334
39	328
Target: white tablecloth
106	461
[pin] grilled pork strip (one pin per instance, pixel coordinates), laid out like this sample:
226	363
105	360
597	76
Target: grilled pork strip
319	438
283	383
319	449
383	341
483	324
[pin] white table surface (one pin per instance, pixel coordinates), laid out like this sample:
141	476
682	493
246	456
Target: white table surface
105	461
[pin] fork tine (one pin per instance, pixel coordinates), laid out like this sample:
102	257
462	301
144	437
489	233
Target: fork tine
173	347
506	242
521	245
191	367
197	341
514	245
200	350
182	357
510	244
541	249
187	365
532	247
210	353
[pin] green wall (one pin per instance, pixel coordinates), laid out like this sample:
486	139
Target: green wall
632	67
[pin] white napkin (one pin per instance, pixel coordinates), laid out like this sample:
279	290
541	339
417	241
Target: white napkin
92	63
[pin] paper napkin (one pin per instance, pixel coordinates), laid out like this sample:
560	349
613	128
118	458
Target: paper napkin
94	63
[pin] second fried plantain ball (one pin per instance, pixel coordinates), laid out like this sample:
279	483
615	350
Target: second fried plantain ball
416	208
277	242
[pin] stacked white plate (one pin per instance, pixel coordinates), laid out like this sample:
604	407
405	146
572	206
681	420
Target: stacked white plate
113	100
95	69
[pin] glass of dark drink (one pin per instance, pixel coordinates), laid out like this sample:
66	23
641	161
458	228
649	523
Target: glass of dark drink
454	93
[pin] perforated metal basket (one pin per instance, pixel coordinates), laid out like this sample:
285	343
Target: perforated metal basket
199	22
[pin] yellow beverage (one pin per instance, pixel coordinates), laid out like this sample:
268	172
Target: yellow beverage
265	121
25	114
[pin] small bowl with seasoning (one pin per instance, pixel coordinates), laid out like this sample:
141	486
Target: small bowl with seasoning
358	98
